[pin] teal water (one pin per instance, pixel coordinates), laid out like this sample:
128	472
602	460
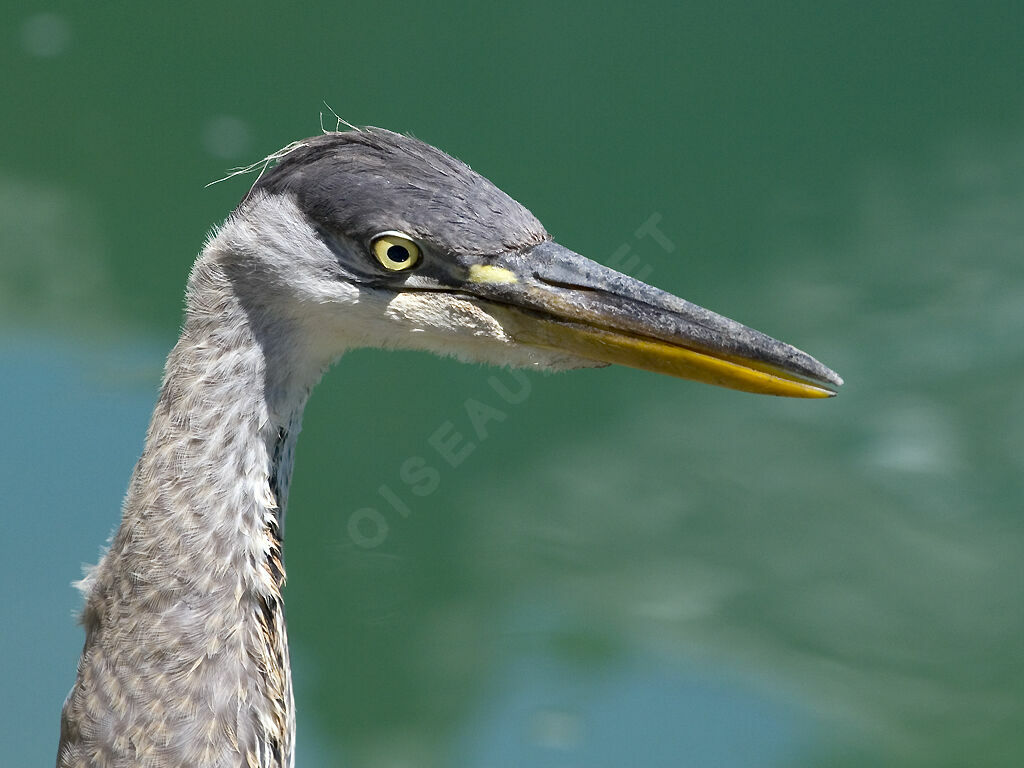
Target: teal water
627	569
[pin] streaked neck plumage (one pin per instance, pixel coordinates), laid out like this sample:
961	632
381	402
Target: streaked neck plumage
186	659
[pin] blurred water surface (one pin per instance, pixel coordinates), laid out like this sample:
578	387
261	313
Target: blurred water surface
627	569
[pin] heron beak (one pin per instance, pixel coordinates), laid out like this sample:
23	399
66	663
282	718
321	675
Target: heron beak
557	299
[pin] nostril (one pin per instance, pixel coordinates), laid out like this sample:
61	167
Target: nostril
565	285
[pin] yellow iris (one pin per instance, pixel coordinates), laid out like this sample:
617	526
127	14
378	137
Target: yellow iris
395	251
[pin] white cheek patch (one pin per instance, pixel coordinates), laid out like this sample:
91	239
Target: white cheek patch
443	312
452	325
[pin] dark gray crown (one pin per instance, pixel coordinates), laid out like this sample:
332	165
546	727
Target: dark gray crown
362	182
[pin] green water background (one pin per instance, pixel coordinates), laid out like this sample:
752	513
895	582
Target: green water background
628	569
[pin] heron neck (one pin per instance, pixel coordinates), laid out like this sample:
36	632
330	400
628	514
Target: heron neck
184	613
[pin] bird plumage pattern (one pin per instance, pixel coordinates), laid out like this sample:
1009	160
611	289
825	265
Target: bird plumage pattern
185	661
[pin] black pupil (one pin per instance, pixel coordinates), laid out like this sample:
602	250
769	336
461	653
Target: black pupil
398	253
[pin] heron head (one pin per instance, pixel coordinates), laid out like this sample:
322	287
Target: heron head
371	238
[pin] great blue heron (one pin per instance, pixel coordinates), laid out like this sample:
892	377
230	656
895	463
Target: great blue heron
352	239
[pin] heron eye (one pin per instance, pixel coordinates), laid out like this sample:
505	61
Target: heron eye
395	251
